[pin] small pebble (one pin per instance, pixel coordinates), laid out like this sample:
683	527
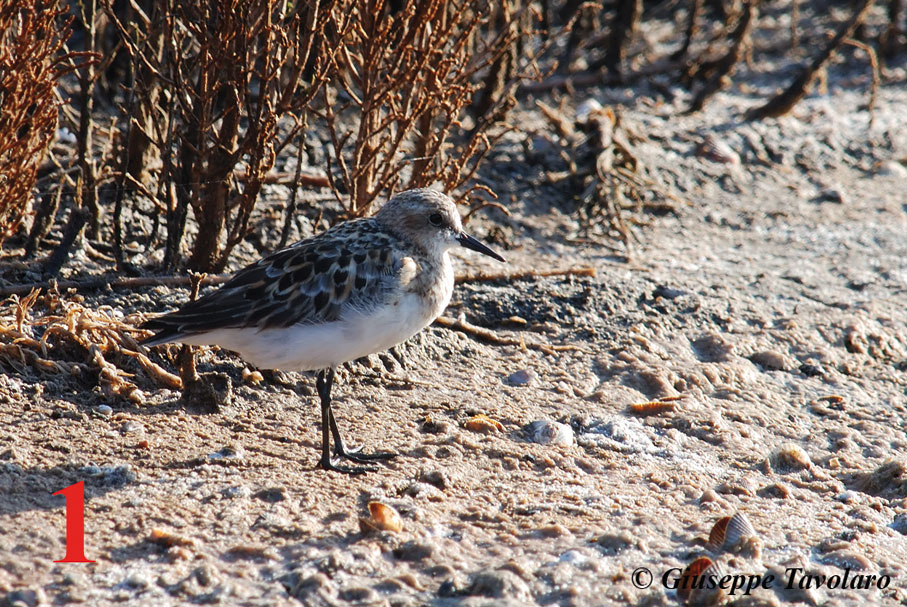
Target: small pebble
432	425
847	560
437	478
891	168
499	584
553	531
770	359
775	490
423	490
834	194
717	150
413	551
574	557
131	427
614	543
709	495
165	538
358	594
252	377
523	377
105	410
791	457
236	492
138	580
26	597
848	497
271	495
227	453
64	135
587	109
666	292
547	432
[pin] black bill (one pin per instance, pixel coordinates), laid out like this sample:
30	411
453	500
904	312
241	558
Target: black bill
471	243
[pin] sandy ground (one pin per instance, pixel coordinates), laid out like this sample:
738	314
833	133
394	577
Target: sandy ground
766	318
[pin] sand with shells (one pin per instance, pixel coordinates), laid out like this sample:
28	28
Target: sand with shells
750	357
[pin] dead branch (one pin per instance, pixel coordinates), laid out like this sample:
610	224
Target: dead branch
108	282
785	101
523	275
876	77
490	336
624	25
690	30
718	72
400	83
229	73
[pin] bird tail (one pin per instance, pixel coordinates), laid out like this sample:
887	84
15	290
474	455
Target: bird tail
165	332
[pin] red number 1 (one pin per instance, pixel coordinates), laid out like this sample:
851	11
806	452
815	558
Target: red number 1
75	523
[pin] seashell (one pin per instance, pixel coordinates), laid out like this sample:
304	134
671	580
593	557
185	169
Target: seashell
834	399
653	407
382	518
166	538
714	149
587	109
483	423
735	534
698	584
547	432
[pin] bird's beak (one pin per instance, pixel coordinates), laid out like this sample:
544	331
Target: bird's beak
471	243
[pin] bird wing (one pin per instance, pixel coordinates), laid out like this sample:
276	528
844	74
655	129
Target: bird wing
354	266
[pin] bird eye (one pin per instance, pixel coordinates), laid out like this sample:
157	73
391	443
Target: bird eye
435	219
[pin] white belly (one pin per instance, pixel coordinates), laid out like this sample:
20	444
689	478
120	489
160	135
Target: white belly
309	347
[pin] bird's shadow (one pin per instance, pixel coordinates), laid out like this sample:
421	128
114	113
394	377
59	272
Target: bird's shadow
25	489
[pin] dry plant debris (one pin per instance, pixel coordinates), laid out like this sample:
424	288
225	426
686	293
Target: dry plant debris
208	95
604	167
29	69
52	336
213	81
400	86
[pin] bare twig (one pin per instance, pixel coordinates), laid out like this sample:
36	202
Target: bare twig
523	275
876	77
719	72
108	282
461	324
785	101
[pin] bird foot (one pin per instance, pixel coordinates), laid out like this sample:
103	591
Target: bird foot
327	464
356	455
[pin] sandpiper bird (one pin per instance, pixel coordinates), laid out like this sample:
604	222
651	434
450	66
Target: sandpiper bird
359	288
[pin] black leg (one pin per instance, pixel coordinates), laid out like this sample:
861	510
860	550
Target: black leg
353	454
328	426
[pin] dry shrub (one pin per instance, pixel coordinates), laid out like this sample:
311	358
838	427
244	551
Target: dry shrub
221	87
30	40
400	85
711	40
53	336
213	80
412	93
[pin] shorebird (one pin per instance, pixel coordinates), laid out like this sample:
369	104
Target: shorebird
359	288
